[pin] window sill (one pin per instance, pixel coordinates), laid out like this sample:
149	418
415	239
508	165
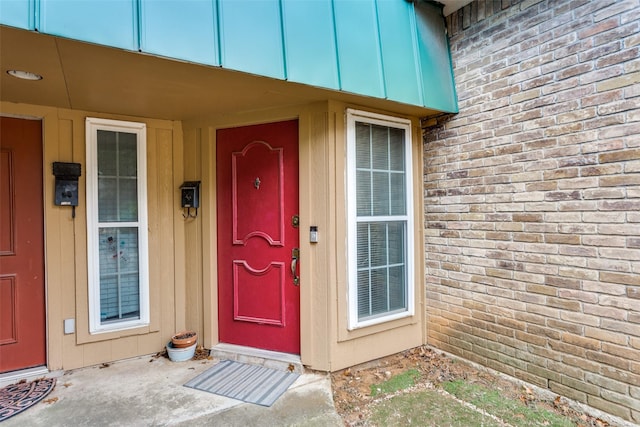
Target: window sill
119	327
89	337
379	326
379	320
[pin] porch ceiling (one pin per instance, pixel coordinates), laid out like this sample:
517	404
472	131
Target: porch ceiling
89	77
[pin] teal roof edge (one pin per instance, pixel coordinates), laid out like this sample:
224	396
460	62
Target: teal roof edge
387	49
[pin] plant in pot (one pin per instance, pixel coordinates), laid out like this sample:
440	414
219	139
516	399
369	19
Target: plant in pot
184	339
182	346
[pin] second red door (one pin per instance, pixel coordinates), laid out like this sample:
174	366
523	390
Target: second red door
22	295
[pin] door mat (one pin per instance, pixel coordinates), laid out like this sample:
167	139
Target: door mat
241	381
16	398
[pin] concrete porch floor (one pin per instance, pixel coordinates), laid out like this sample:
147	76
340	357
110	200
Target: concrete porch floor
149	391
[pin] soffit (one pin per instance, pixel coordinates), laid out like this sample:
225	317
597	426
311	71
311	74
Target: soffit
94	78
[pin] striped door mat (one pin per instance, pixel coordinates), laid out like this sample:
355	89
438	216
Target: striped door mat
241	381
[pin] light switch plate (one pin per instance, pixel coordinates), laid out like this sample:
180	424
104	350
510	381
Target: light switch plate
69	326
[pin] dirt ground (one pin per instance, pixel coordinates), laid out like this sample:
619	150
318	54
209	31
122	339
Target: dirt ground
352	386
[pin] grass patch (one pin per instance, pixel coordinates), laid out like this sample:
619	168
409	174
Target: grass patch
427	408
398	382
512	411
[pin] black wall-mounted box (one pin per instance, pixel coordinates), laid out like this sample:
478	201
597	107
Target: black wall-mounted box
66	189
190	194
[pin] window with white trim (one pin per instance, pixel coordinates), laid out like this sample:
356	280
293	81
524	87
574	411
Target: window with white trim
117	225
380	218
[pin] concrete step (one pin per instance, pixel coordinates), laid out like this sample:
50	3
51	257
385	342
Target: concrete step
29	374
256	356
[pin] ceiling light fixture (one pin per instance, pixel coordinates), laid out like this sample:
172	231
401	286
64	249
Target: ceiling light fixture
24	75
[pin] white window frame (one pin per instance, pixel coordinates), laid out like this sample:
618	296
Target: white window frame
93	226
352	117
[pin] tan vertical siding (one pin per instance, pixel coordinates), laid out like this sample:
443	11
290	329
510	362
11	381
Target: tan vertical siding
325	342
65	242
193	236
183	254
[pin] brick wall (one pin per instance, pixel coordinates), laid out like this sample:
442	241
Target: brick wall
532	198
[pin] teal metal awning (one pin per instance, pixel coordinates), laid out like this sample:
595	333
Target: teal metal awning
385	49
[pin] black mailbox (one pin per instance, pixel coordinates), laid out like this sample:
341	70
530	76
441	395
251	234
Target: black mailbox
67	175
190	194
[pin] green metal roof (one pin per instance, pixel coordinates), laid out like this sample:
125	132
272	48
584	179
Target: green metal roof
389	49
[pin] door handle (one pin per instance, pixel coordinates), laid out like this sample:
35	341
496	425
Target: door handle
295	254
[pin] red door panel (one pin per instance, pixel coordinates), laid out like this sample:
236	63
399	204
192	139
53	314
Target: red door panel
257	195
22	306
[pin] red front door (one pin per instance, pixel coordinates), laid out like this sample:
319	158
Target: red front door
22	306
257	195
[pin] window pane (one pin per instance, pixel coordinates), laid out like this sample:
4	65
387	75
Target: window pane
363	147
363	193
398	203
379	292
378	244
127	150
364	308
396	242
396	149
363	245
117	176
381	278
107	153
380	147
397	296
128	200
119	281
107	196
381	188
108	299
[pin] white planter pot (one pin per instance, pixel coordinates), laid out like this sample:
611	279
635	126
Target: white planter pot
180	354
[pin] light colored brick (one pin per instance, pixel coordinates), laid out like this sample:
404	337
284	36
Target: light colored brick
604	288
619	205
567	184
609	407
606	336
604	217
583	319
618	156
607	383
525	96
581	206
540	272
622	278
604	193
600	146
607	359
621	351
608	169
604	121
599	240
587	343
568	392
622	130
621	399
618	326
